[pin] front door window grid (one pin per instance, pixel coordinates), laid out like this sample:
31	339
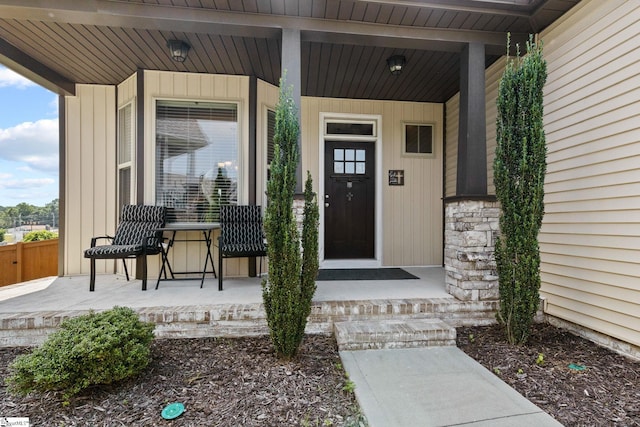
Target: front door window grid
349	161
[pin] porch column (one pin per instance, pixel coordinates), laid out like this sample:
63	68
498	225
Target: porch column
472	130
291	63
471	216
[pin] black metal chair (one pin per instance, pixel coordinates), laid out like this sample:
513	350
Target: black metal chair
241	235
137	236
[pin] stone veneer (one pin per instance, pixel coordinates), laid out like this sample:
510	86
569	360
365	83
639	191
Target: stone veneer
469	238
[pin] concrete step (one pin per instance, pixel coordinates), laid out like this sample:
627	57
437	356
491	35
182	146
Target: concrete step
387	334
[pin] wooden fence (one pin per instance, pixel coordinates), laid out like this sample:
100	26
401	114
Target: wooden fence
22	261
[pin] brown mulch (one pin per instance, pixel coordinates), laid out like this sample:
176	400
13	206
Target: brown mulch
240	382
605	393
221	382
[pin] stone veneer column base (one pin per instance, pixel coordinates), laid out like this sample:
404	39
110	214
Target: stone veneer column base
469	238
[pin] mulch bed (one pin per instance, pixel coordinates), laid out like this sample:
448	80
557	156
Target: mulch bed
605	393
221	382
239	382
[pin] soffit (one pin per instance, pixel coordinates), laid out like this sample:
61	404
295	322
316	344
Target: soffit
344	43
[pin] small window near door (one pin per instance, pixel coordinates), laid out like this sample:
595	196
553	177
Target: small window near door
418	140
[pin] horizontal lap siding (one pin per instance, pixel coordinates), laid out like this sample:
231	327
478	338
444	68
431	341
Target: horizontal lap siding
590	238
493	76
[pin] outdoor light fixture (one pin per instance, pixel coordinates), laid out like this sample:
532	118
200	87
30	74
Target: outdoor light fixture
396	63
178	50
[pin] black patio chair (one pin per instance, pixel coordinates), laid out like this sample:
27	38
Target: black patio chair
137	236
241	235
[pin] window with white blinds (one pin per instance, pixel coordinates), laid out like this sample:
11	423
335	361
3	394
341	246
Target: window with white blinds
196	159
271	132
125	154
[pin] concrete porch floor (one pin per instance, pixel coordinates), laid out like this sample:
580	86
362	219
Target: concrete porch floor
72	293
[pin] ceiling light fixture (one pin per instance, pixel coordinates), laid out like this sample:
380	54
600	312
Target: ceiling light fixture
396	64
178	50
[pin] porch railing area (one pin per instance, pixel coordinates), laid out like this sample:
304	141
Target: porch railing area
26	261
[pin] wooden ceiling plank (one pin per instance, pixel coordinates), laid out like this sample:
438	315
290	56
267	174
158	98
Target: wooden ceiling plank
358	11
251	25
209	44
72	61
305	8
397	15
339	68
324	70
232	54
243	54
315	50
23	64
345	11
254	57
249	6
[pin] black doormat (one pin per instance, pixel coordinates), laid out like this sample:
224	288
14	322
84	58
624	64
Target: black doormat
364	274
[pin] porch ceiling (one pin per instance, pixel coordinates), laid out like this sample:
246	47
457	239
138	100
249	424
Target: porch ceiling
345	43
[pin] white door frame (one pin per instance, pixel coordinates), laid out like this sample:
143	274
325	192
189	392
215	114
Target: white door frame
376	119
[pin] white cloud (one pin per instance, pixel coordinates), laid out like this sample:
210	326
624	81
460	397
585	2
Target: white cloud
11	78
33	143
14	184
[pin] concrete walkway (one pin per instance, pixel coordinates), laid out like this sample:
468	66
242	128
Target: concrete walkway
434	386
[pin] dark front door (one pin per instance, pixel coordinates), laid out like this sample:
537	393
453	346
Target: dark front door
349	200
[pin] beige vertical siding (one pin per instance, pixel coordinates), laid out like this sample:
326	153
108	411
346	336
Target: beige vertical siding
90	158
267	98
451	162
204	87
493	74
590	238
411	214
127	90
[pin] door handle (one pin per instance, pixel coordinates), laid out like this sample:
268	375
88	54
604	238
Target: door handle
326	205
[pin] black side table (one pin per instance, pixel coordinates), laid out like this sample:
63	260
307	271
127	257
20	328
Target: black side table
206	228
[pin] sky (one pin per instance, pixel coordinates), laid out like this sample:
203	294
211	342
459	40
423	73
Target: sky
28	141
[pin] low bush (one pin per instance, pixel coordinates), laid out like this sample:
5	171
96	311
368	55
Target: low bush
34	236
93	349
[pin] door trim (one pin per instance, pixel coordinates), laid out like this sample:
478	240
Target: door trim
377	140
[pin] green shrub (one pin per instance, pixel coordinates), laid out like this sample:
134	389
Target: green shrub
2	233
519	172
290	287
34	236
97	348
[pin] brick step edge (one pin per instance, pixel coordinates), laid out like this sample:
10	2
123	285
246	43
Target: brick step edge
409	333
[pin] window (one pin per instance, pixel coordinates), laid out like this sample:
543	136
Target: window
349	128
271	132
196	159
418	139
349	161
125	154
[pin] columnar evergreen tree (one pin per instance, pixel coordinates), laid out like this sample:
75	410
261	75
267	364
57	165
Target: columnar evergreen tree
290	287
519	172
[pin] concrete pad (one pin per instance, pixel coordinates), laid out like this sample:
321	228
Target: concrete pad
72	292
436	386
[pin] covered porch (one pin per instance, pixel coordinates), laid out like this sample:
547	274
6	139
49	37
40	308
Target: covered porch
31	310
